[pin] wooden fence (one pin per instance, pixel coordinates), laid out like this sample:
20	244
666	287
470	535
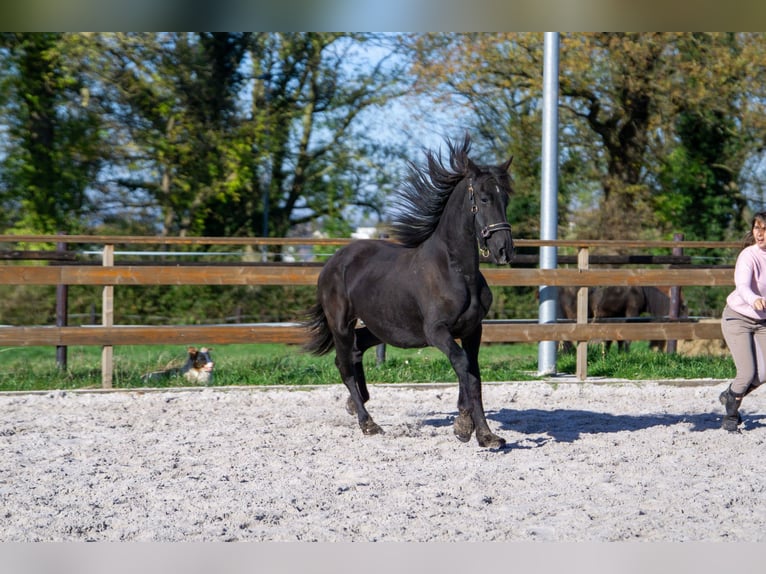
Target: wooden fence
64	272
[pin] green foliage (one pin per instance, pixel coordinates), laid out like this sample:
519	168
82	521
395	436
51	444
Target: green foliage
695	178
53	141
158	305
27	305
706	301
200	134
223	133
513	303
655	128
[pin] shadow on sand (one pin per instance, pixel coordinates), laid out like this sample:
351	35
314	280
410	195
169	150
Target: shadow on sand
568	425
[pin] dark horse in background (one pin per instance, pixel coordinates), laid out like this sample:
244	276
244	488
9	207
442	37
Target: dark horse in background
424	288
619	302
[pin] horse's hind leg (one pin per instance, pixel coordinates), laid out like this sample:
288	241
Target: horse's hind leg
363	340
361	382
348	360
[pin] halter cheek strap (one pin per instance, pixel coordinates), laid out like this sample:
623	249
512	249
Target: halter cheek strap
487	230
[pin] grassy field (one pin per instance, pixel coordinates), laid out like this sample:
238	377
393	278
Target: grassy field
34	368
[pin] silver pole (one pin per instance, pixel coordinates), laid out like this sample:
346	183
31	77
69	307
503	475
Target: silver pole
548	309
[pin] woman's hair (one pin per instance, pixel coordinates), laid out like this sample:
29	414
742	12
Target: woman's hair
759	217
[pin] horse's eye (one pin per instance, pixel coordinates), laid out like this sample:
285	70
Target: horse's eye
484	199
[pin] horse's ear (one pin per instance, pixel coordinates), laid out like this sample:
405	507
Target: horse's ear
471	167
507	164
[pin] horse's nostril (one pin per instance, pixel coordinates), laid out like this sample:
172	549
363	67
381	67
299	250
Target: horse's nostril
502	256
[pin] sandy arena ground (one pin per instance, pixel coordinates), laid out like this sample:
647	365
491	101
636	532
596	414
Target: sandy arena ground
594	461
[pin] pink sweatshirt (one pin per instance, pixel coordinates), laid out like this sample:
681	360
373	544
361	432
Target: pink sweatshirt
750	282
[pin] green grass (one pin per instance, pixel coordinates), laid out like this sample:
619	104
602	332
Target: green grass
34	368
645	364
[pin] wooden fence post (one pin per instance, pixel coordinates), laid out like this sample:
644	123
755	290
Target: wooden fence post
107	320
62	311
675	299
582	316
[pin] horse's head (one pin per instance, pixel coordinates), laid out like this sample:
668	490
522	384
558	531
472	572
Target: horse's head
489	189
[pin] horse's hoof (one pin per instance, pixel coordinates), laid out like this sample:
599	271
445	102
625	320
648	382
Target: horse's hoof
463	427
371	428
463	437
491	441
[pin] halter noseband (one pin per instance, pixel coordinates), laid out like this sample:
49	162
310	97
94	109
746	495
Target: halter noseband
487	230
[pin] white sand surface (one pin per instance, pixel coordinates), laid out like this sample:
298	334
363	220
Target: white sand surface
593	461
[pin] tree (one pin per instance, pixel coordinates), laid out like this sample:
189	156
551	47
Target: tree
53	146
673	96
703	171
223	133
621	98
492	75
171	103
310	156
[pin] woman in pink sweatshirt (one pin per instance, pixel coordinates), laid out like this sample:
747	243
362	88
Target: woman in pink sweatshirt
743	323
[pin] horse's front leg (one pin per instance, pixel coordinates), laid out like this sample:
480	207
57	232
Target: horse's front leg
473	393
465	362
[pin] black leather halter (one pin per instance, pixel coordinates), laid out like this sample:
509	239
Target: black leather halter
487	230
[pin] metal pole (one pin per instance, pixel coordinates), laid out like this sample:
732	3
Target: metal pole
546	357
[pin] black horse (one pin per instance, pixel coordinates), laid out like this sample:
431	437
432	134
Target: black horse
425	288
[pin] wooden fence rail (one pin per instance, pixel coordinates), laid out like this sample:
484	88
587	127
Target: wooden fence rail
497	331
111	275
299	275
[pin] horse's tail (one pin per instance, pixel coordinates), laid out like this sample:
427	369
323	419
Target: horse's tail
657	302
320	337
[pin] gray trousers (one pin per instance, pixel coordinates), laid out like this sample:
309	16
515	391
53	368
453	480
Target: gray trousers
746	339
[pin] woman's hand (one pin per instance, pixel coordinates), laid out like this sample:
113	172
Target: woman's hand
759	304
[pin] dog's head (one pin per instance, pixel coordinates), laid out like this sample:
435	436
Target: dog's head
199	366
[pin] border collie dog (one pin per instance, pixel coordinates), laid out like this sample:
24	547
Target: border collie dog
197	369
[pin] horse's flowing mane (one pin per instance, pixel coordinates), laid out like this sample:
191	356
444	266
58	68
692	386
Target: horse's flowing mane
420	202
